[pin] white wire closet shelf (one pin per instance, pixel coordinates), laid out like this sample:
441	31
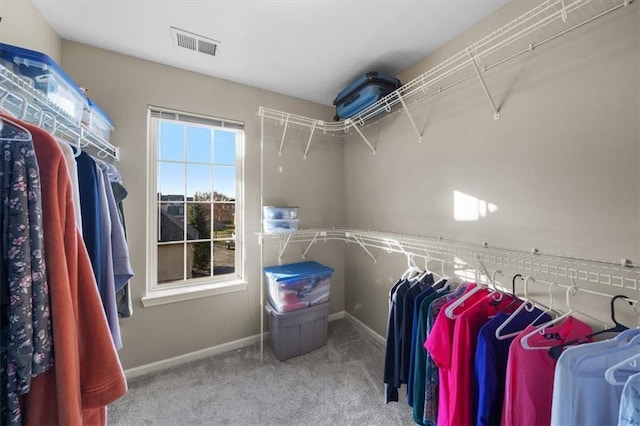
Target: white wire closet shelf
19	98
623	275
546	22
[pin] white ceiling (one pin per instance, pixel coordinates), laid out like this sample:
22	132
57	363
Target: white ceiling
306	49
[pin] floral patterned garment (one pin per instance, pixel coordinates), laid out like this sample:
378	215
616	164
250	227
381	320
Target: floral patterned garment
432	380
27	341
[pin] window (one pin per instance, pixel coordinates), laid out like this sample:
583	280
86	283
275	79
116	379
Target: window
195	202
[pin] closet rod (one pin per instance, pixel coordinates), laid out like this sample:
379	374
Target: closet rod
621	275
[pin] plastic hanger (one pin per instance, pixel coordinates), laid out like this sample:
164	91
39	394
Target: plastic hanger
549	310
617	327
556	350
513	292
411	267
525	339
526	304
449	312
570	291
584	314
611	371
426	272
496	294
12	131
78	146
603	355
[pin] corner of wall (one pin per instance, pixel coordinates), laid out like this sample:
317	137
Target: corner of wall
23	25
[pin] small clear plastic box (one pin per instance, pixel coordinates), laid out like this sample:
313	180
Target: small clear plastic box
280	212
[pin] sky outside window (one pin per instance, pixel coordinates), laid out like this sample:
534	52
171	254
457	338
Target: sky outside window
213	150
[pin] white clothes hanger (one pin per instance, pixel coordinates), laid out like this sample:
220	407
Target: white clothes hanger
584	314
426	272
25	135
610	373
444	274
549	310
527	304
449	312
570	291
525	339
411	267
496	294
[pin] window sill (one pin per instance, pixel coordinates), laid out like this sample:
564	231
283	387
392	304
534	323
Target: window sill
173	295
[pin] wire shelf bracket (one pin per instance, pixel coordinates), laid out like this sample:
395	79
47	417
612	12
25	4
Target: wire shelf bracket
350	122
475	63
284	133
540	25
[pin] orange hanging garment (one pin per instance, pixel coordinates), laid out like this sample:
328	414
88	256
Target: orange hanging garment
87	375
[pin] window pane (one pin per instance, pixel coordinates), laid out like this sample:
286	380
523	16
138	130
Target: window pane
198	221
170	262
171	222
199	262
198	182
224	183
171	141
224	147
224	220
224	259
171	181
198	145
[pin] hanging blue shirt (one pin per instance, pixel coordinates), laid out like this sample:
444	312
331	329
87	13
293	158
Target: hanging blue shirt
491	364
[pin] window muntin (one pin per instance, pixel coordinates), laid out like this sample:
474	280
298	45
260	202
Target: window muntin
197	174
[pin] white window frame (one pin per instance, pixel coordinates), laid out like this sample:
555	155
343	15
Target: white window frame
160	294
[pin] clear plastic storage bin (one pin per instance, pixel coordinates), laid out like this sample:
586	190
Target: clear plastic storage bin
280	213
96	119
298	285
47	77
280	226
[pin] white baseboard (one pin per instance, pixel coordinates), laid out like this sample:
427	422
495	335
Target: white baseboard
337	316
204	353
365	328
191	356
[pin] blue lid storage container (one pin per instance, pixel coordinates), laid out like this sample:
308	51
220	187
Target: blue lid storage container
47	77
298	285
97	120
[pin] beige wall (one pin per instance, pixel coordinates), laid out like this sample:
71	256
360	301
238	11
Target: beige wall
124	87
23	25
562	164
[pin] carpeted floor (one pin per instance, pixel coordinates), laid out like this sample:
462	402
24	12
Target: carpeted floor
339	384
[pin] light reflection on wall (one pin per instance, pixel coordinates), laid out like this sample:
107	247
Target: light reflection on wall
467	208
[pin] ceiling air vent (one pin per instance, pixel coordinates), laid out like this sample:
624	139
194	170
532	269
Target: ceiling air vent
194	42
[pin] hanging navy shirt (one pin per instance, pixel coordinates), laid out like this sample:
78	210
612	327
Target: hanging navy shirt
391	385
91	216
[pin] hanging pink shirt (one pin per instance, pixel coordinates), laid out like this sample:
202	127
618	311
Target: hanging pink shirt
439	343
465	337
529	385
